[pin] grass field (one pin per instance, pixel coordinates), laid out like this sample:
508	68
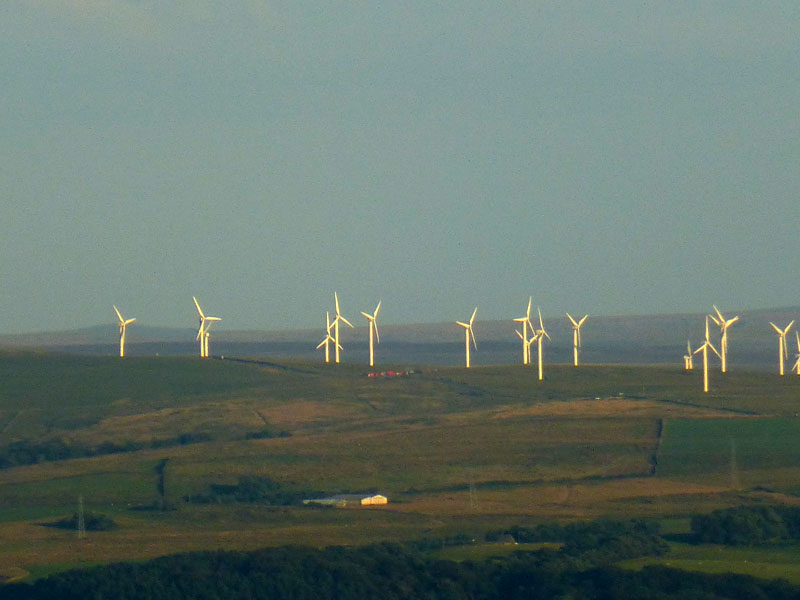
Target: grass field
781	562
744	453
456	451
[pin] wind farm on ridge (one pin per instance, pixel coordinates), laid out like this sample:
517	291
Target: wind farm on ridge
529	335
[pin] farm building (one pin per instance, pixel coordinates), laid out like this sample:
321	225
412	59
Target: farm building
344	500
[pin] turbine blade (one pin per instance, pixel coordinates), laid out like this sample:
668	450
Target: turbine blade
322	343
719	314
541	325
520	336
377	333
788	327
336	300
571	320
199	310
475	312
582	320
776	328
129	321
377	309
528	312
716	322
474	343
368	316
118	315
731	321
464	325
345	321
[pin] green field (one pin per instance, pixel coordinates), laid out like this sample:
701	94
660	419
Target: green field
782	562
456	451
746	453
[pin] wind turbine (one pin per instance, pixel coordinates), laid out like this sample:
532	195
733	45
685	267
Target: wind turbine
328	338
688	363
373	328
782	351
468	332
576	336
797	363
526	320
338	318
123	323
540	334
205	325
704	349
723	325
527	344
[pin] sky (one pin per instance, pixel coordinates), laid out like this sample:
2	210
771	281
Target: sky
611	158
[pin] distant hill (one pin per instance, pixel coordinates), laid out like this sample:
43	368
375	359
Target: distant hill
638	339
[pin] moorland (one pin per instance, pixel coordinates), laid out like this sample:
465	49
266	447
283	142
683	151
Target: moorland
167	446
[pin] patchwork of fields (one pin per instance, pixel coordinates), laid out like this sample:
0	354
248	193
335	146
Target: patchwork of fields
455	451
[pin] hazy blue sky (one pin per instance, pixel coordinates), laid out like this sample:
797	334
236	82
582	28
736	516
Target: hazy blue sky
606	157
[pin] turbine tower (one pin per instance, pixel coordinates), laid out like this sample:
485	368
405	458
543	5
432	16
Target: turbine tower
797	362
526	321
468	332
704	349
723	325
123	324
576	336
328	338
373	329
205	325
688	363
527	343
540	334
782	351
338	318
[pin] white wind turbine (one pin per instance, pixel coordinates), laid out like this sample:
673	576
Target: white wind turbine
338	318
576	336
328	338
373	328
526	321
688	363
704	349
797	363
468	332
123	324
782	351
205	325
527	343
540	334
723	325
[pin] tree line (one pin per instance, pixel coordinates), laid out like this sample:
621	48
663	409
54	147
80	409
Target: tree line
29	452
747	525
581	569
